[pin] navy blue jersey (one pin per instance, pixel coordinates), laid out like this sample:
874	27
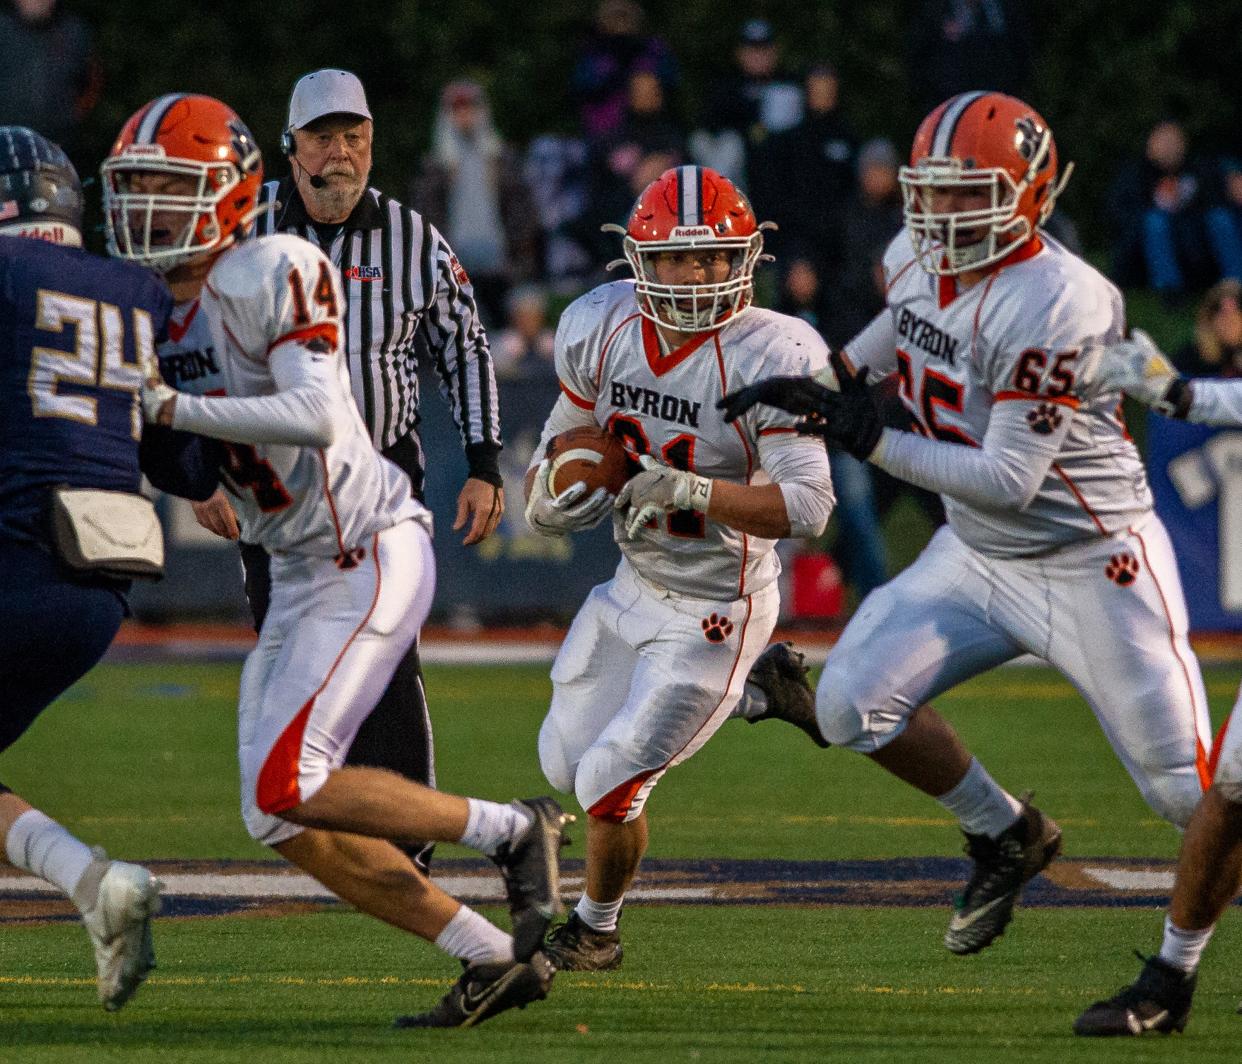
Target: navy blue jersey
72	328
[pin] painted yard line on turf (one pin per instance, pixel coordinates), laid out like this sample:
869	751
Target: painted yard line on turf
218	888
583	981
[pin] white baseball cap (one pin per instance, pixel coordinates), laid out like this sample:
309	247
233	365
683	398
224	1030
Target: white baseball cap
326	92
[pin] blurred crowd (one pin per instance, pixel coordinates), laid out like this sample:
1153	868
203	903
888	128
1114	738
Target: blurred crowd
525	218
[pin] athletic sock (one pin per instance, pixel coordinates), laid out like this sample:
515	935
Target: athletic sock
36	843
1183	949
599	915
980	804
471	938
490	825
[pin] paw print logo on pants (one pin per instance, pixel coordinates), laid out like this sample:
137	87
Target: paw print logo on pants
716	628
1122	569
1045	419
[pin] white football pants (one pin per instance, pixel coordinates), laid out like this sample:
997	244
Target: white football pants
330	643
1108	613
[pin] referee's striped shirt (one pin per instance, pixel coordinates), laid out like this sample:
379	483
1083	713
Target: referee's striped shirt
407	298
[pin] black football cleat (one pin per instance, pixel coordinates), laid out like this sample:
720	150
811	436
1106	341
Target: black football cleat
485	990
780	673
575	946
1003	866
1158	1000
531	869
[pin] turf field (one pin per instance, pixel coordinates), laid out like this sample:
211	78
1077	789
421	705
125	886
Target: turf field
140	758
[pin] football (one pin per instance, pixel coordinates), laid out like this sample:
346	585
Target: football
591	455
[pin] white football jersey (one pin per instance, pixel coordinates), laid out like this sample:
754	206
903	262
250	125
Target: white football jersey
609	361
1015	336
261	294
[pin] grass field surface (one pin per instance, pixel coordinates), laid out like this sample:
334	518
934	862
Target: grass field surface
141	759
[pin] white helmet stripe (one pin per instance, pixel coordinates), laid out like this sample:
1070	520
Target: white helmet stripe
947	126
691	205
150	124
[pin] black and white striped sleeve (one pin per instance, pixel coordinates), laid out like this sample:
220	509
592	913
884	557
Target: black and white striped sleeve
453	337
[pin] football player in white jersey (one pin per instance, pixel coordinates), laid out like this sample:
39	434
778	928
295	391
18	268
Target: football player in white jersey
1051	546
1209	868
352	566
656	659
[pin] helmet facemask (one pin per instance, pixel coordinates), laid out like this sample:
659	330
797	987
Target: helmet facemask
694	307
954	242
166	230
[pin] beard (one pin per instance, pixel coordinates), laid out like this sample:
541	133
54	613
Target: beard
337	198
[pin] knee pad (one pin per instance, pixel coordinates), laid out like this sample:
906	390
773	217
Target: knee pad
553	761
623	801
1173	795
839	718
268	830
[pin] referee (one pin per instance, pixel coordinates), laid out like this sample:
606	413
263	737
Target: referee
407	299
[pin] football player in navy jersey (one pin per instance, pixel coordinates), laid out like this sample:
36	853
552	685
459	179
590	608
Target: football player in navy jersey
75	330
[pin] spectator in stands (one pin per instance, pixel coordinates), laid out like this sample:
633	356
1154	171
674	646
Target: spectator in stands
803	178
524	348
49	78
611	201
555	169
874	217
616	49
1224	214
1165	236
471	188
860	549
1216	350
647	133
648	127
958	45
746	106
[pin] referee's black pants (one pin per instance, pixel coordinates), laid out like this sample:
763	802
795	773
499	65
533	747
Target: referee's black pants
397	733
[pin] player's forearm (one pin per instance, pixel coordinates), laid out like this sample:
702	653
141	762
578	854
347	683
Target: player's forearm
966	473
756	509
302	417
1216	402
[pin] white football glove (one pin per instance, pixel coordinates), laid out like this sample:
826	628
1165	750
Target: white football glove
155	393
554	515
1139	368
658	489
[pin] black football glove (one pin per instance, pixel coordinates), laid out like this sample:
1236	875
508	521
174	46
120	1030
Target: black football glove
799	396
850	418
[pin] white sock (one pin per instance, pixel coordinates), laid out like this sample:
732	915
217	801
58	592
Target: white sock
599	915
470	938
36	843
753	702
1183	949
491	824
980	804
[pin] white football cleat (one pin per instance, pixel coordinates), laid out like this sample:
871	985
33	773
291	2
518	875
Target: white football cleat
117	901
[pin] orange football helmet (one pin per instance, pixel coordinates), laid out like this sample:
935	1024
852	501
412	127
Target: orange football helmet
690	207
978	142
191	137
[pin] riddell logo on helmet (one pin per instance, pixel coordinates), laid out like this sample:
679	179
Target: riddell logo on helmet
39	231
146	150
691	232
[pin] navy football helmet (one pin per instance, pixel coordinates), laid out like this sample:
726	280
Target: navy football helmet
40	194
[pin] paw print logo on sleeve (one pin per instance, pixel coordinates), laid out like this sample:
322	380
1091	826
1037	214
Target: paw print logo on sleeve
716	629
1044	419
1122	569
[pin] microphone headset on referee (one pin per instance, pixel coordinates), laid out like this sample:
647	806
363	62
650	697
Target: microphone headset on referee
289	148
